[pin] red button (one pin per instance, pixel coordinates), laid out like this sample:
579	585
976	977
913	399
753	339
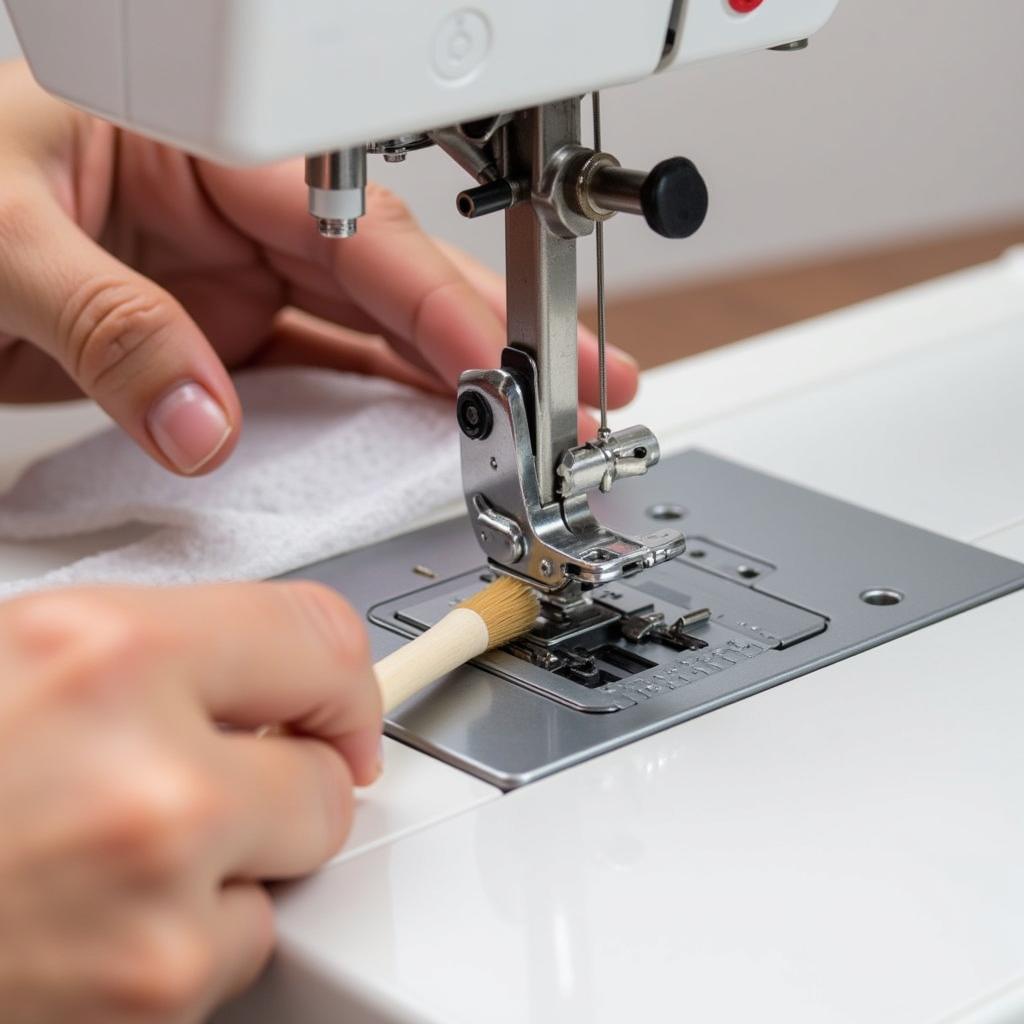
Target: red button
745	6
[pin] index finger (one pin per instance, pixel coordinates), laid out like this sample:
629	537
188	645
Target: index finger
395	272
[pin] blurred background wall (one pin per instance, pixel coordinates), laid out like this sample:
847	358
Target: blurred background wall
902	120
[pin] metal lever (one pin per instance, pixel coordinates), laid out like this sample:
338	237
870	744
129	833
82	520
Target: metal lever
651	626
673	198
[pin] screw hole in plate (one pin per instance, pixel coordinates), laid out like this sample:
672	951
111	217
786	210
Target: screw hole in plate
665	511
881	596
748	572
697	553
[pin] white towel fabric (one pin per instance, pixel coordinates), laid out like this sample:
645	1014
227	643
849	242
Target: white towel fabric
327	462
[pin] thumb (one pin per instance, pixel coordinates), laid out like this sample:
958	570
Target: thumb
122	339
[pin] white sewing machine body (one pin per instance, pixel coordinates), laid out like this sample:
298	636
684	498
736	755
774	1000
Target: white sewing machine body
248	81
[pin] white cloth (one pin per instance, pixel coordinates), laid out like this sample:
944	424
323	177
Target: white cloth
327	462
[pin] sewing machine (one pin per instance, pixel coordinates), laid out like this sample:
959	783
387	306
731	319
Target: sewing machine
642	629
255	81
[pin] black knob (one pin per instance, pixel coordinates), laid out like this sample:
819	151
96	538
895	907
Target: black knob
674	198
474	415
484	199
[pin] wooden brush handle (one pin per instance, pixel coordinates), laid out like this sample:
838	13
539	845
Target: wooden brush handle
459	637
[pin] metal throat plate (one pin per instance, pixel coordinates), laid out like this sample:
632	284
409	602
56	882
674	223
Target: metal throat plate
792	580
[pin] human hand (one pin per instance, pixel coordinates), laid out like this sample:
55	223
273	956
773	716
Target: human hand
138	275
136	828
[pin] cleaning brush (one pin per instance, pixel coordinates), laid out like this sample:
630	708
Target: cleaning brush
502	611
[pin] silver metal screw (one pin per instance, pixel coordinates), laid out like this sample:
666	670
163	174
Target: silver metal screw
546	567
331	227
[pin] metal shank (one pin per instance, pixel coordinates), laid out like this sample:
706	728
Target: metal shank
541	283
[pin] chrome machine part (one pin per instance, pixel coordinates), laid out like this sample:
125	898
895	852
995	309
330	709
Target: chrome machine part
337	190
525	475
553	543
474	156
613	189
583	198
396	149
597	464
540	259
483	129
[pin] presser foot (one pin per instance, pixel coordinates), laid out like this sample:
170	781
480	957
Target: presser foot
552	544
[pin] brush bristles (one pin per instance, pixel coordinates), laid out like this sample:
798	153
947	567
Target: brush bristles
507	607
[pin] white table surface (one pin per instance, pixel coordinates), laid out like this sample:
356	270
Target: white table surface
846	847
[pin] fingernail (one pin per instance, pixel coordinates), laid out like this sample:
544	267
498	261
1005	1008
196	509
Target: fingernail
188	426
